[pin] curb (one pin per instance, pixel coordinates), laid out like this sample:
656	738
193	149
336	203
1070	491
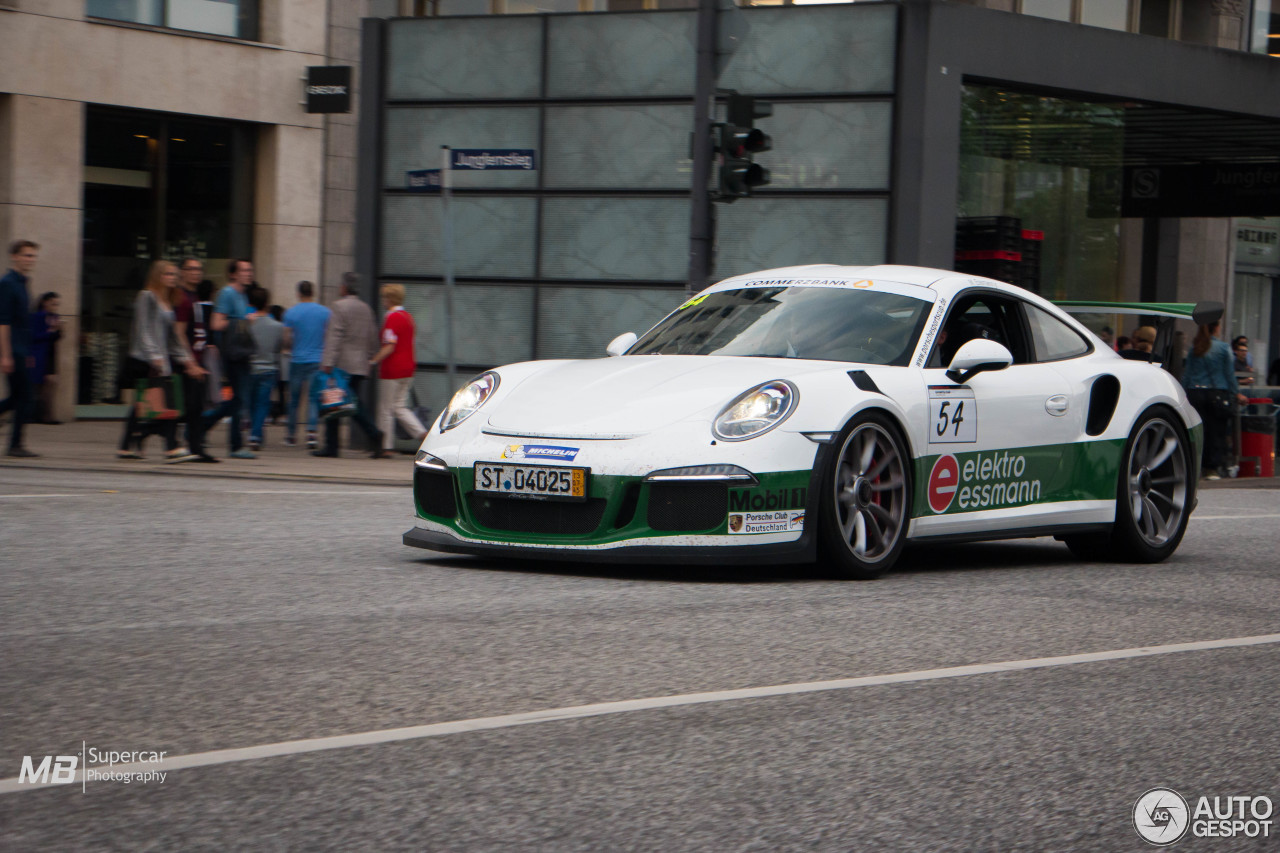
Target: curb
186	470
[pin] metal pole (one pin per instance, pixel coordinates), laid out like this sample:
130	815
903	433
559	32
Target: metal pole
446	185
700	226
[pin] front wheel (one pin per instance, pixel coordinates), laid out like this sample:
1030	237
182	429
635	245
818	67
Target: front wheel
865	504
1154	497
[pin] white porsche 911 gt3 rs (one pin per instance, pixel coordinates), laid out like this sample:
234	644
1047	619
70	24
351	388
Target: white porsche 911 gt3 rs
818	413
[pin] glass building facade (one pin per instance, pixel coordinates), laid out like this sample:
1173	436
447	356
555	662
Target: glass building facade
555	262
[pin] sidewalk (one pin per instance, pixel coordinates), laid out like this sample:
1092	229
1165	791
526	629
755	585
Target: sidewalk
91	446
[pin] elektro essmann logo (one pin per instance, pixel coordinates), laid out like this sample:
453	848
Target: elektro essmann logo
100	765
1162	817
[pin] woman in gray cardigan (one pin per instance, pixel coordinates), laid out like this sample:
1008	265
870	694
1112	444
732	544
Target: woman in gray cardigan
154	349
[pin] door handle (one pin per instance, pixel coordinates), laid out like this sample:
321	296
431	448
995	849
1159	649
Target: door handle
1057	405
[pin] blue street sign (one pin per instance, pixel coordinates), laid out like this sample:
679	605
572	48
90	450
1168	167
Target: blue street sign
422	180
487	159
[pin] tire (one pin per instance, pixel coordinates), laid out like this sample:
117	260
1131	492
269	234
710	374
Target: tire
866	499
1154	495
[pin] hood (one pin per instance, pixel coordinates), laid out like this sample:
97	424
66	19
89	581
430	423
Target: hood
628	396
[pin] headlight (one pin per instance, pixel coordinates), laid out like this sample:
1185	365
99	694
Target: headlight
757	411
468	399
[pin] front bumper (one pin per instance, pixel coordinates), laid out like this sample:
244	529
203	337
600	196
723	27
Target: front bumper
801	550
626	517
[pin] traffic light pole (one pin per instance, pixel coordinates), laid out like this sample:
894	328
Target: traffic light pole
446	214
702	221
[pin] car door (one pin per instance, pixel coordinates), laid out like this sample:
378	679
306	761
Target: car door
993	448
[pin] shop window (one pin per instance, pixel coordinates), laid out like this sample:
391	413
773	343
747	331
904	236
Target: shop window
1111	14
155	186
1264	32
234	18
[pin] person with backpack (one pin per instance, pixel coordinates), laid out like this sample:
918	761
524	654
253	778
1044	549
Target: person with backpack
231	333
191	321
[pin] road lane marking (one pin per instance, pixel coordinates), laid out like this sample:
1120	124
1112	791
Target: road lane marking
575	712
310	492
77	495
1232	517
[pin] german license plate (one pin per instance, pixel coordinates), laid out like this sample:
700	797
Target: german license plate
532	481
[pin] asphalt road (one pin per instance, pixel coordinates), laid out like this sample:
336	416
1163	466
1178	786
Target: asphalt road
185	615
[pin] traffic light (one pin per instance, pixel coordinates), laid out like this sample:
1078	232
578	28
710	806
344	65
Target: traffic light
739	140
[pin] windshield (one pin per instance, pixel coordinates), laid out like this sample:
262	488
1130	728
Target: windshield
824	323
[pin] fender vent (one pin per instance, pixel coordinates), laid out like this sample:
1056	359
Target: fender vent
864	382
1102	404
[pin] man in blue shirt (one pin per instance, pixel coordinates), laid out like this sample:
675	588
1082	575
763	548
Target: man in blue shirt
15	340
230	307
305	325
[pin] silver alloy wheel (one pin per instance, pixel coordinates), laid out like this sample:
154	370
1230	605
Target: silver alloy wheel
1158	484
871	492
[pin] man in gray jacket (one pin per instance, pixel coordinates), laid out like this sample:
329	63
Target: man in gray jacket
349	345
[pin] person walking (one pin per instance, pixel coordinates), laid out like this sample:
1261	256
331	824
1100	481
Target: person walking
230	314
1210	380
264	367
397	362
46	331
305	327
349	346
154	349
191	322
15	341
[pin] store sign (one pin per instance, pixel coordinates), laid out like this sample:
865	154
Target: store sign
1210	189
329	89
1258	243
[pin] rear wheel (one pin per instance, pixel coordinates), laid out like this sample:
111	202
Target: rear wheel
1153	498
865	503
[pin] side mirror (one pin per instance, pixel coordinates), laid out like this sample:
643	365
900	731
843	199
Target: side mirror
976	356
622	343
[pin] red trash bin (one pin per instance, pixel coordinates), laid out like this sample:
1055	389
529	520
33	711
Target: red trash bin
1258	439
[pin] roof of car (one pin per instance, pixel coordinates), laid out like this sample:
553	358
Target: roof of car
920	276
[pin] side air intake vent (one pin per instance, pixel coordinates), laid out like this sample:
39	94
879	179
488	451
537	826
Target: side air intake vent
1102	404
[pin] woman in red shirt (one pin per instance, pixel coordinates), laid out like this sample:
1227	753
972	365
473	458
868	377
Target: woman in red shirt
397	363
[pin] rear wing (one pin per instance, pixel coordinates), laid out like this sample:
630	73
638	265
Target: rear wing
1161	315
1200	313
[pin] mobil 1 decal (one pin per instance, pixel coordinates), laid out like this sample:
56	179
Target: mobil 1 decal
969	481
953	415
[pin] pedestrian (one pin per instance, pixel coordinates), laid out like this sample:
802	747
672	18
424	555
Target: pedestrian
46	331
234	339
1211	388
349	347
1243	361
1142	346
154	350
280	400
396	362
15	340
264	367
208	352
191	321
305	324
